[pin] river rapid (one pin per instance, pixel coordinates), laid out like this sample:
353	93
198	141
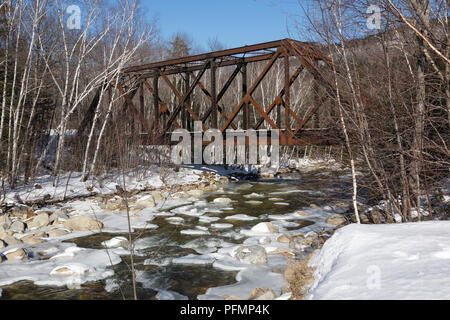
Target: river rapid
204	228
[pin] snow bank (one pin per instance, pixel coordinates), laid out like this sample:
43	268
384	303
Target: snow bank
390	261
66	265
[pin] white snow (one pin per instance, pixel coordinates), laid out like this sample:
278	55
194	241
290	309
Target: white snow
115	242
388	261
255	202
194	232
71	185
242	217
77	265
221	225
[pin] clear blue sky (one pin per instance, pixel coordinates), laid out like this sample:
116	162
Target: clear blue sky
233	22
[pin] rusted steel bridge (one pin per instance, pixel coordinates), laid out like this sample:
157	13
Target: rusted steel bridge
167	117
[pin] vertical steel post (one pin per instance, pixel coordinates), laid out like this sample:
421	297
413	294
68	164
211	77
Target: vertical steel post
244	92
156	98
141	99
287	94
183	108
188	101
213	95
279	113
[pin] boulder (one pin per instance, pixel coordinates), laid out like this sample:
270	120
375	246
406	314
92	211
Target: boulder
222	200
10	240
288	252
15	254
116	242
263	293
59	214
223	180
17	226
115	204
41	220
284	238
376	215
251	254
5	221
101	204
70	269
82	223
20	210
31	239
335	219
301	213
265	227
196	193
157	196
145	202
2	245
53	233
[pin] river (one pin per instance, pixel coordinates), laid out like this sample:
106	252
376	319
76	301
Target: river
155	249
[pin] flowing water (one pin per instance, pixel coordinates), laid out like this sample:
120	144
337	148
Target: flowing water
155	248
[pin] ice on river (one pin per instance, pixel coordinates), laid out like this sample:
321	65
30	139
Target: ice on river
67	265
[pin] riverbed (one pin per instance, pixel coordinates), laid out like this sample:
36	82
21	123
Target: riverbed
204	229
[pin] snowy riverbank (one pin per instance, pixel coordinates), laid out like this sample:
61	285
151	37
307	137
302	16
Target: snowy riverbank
217	223
389	261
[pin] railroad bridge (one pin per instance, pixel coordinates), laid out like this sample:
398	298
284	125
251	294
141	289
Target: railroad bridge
166	116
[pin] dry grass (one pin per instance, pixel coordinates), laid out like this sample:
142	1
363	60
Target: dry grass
299	276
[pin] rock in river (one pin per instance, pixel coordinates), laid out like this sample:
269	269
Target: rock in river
41	220
265	227
251	254
82	223
17	226
335	219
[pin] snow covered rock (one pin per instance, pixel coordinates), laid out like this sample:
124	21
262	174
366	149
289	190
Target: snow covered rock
265	227
41	220
254	195
32	239
115	204
10	240
251	254
145	202
70	269
222	200
59	214
20	210
5	221
56	232
284	238
17	226
82	223
116	242
15	254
